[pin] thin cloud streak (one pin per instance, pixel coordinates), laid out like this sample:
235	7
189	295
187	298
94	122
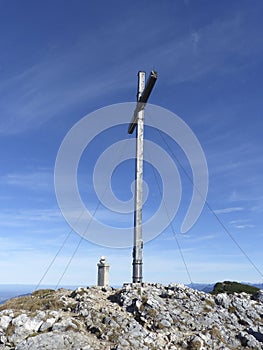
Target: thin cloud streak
228	210
34	180
25	218
42	91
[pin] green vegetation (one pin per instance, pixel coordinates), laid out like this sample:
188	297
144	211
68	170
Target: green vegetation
232	309
233	287
42	293
208	305
209	302
216	334
43	299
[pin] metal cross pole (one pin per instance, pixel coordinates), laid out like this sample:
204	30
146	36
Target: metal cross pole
138	120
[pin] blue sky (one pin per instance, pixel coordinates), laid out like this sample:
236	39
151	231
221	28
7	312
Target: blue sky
61	60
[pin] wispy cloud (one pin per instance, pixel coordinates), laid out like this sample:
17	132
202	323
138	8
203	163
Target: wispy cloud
195	54
244	226
241	224
228	210
35	180
196	239
187	238
28	217
247	195
257	208
79	72
48	88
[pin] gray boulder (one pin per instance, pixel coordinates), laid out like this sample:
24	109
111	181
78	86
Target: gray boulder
58	341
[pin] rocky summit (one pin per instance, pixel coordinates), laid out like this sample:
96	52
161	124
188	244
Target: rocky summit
137	316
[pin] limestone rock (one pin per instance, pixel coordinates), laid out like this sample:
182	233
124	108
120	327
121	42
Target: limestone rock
136	316
4	322
58	341
259	296
222	299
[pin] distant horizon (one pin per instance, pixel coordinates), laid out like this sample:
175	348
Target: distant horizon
92	285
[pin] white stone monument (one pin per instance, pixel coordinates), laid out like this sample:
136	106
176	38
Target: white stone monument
103	272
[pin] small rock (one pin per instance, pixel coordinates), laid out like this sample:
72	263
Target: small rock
47	324
3	339
222	299
124	342
258	296
249	341
5	321
64	325
164	324
195	344
56	341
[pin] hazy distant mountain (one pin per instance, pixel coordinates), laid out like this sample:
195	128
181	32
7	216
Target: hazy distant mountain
204	287
258	285
8	291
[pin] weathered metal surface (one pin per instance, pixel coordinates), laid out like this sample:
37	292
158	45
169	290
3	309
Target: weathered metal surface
142	98
138	243
138	120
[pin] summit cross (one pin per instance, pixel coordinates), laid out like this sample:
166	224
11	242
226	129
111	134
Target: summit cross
137	122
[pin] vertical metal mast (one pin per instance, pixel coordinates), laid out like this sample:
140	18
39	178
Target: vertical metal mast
138	243
138	120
